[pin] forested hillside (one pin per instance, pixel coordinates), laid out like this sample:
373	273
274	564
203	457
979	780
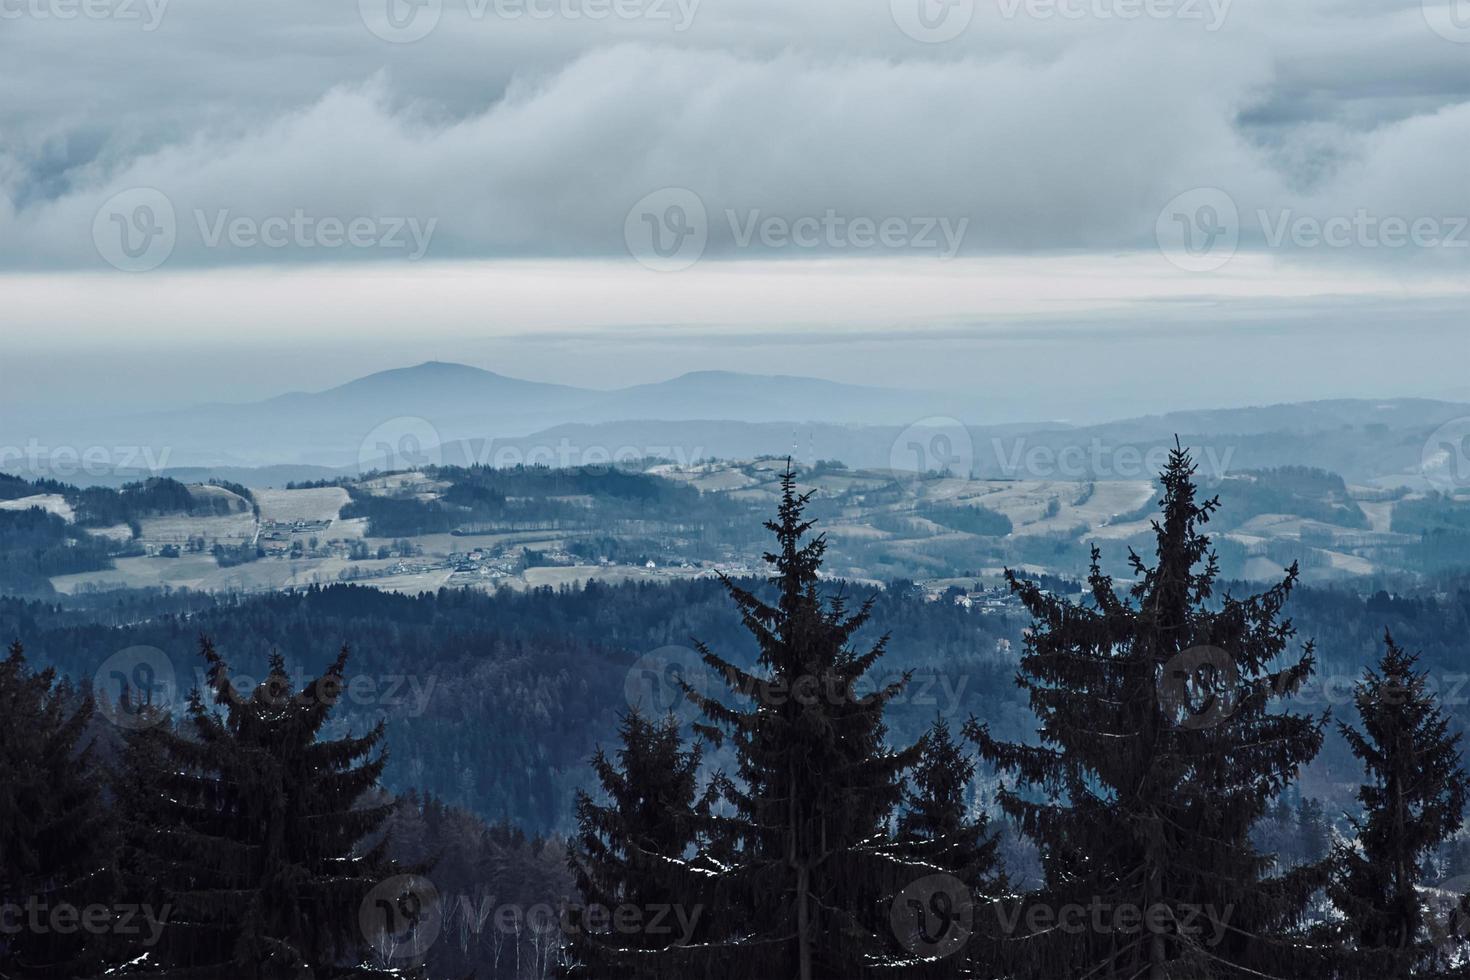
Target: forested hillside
482	710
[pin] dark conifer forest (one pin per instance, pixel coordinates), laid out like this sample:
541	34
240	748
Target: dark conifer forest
789	776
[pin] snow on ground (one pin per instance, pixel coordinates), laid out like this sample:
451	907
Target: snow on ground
612	575
120	533
228	529
202	573
51	503
289	506
1379	513
208	492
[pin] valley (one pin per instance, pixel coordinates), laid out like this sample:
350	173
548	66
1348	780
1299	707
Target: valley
658	521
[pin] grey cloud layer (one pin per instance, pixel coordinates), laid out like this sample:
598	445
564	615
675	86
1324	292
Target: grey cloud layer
535	137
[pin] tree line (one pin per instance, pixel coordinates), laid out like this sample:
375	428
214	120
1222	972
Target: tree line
1161	744
788	835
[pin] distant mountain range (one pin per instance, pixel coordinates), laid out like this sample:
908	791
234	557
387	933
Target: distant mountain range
448	402
454	413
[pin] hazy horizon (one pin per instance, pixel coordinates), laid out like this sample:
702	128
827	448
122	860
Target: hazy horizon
1083	209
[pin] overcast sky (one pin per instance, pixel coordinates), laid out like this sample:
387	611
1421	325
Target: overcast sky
916	192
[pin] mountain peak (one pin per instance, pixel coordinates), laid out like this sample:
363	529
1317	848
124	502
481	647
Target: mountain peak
439	369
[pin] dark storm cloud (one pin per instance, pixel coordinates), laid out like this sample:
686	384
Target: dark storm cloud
1039	126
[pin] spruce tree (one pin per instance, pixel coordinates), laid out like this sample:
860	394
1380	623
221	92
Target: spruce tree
651	812
247	827
936	826
798	874
54	840
1414	801
1158	752
937	832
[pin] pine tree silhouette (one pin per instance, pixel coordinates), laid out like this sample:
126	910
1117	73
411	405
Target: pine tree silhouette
936	826
1414	801
938	832
1158	753
249	829
652	812
54	845
797	876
